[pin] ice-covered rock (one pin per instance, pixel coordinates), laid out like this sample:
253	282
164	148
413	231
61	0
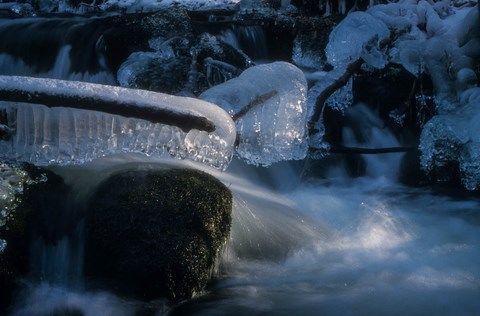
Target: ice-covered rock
154	71
454	139
274	129
310	42
60	135
358	35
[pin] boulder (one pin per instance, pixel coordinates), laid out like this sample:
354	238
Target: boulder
156	233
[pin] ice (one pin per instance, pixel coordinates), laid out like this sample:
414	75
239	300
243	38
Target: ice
71	136
455	138
152	5
136	63
358	35
12	180
275	129
339	100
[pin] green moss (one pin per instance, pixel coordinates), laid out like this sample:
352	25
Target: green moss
154	233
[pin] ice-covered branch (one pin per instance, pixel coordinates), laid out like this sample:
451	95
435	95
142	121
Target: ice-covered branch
145	105
257	101
325	94
369	151
47	121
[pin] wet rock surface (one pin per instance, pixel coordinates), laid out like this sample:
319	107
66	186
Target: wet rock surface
156	233
30	213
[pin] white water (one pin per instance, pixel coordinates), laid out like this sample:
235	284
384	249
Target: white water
310	246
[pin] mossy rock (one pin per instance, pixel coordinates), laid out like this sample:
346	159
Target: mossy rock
156	233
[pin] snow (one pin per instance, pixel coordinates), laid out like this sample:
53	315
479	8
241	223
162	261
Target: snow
64	135
358	35
275	129
455	138
434	38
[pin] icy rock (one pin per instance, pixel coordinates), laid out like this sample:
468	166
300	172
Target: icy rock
154	71
454	138
275	128
12	180
59	135
310	42
358	35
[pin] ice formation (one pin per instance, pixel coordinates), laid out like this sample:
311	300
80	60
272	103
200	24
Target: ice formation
455	138
339	100
61	135
133	5
442	41
358	35
436	38
12	180
275	128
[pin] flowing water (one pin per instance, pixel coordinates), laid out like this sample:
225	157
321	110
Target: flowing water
301	243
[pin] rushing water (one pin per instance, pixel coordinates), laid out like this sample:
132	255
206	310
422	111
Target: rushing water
312	246
300	244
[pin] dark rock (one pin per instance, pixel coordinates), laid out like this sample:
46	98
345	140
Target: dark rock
311	40
315	7
156	233
410	172
403	101
131	33
208	51
208	45
167	75
34	212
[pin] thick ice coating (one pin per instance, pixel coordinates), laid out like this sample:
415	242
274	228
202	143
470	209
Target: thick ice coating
274	129
358	35
60	135
455	138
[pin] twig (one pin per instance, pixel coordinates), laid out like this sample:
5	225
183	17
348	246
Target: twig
328	91
257	101
368	151
86	96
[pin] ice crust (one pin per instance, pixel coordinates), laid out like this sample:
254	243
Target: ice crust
358	35
44	135
435	38
275	129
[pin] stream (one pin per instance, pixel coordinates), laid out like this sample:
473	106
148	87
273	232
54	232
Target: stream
307	238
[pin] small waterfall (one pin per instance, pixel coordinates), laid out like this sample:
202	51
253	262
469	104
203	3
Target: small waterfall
49	48
229	37
369	131
250	39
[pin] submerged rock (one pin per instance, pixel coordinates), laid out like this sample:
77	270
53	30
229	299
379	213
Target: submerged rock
155	233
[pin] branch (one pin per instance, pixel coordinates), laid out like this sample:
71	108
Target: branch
368	151
139	104
255	102
328	91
